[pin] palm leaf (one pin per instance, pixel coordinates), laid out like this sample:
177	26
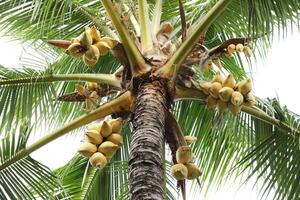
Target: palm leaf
27	179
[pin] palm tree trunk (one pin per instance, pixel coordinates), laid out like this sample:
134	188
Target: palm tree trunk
146	156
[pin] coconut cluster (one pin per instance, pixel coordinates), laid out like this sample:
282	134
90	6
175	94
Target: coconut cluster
226	94
102	140
185	169
232	48
89	46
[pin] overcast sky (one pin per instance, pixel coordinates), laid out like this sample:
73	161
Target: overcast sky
278	76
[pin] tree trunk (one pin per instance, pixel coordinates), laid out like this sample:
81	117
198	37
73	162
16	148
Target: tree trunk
146	155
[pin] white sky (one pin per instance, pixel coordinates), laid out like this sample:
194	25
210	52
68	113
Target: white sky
276	76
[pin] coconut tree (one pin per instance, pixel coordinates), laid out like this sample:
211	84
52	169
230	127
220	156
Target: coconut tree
159	69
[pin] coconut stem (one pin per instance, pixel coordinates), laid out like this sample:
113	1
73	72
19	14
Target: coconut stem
98	78
121	103
137	62
173	65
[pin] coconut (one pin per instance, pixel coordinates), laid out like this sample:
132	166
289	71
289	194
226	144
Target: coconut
205	87
239	47
222	106
108	148
85	40
80	89
234	109
193	171
218	78
184	154
225	93
214	89
245	86
249	100
106	129
116	139
190	139
237	98
217	62
96	126
94	136
247	52
92	85
98	160
87	149
94	96
229	81
116	124
91	56
231	48
94	33
179	171
111	43
211	102
75	50
103	47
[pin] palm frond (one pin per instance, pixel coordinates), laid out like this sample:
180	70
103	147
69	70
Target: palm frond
227	145
27	179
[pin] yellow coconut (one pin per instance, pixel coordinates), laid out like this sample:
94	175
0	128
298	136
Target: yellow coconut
225	93
218	78
109	41
98	160
92	85
96	126
217	62
179	171
193	171
222	106
245	86
247	52
106	129
231	48
116	139
239	47
184	154
235	110
211	102
75	50
237	98
94	33
93	136
116	124
190	139
85	40
108	148
205	87
91	56
94	96
229	81
103	47
87	149
80	89
249	100
214	89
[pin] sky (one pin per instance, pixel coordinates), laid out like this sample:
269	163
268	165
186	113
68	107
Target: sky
276	76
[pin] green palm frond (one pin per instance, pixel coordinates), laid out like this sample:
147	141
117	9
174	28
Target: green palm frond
27	179
228	145
55	19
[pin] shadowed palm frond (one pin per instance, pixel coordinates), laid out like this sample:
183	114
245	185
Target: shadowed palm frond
27	179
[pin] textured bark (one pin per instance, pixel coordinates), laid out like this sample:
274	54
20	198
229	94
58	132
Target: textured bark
146	159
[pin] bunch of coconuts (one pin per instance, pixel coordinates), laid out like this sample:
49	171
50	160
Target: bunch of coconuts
240	48
232	48
185	169
226	94
89	46
102	140
92	98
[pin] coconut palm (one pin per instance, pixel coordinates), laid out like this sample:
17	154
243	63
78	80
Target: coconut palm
152	63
